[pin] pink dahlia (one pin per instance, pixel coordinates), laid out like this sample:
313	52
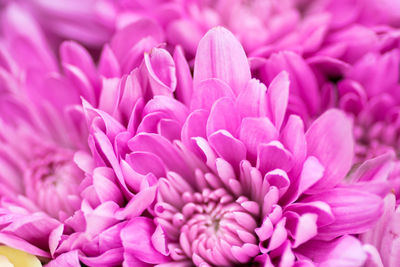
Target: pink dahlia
237	183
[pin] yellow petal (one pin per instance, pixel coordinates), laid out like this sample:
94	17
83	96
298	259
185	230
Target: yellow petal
17	258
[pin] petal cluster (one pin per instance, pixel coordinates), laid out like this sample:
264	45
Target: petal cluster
199	133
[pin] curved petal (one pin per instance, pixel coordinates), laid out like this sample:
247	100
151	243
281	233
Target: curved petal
228	147
184	87
330	140
220	55
223	116
161	69
277	98
252	101
208	92
355	211
137	240
254	132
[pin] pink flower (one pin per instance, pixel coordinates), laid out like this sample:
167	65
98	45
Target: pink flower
236	181
43	139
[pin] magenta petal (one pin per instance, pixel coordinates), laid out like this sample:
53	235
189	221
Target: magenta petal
130	35
303	83
228	147
105	186
256	131
172	108
293	138
273	155
223	116
108	63
18	243
110	238
252	101
208	91
162	148
55	238
277	98
74	54
145	162
138	203
137	240
330	140
194	126
159	241
345	251
323	210
112	257
184	87
355	211
161	69
220	55
306	228
67	259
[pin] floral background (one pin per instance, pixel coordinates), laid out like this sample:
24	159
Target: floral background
200	133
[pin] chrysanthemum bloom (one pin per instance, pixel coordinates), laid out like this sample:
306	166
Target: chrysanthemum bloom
237	182
43	137
384	237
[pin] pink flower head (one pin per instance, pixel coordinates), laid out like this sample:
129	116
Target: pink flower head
237	183
43	138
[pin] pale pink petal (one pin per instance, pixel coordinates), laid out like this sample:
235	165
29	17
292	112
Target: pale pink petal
252	101
220	55
108	63
355	211
184	87
333	130
345	251
208	92
67	259
161	69
137	240
112	257
273	155
277	98
223	116
254	132
228	147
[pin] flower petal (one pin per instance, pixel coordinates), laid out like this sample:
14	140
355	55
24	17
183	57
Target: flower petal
355	211
345	251
161	71
208	91
223	116
220	55
277	98
228	147
137	240
330	140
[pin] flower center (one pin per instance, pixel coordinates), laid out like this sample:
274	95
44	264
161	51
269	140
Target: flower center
211	227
